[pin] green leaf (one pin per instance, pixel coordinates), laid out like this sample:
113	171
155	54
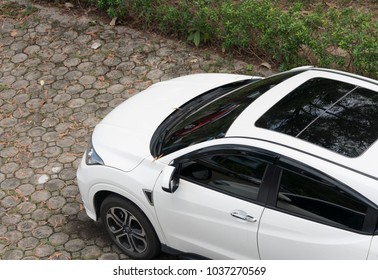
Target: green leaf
197	38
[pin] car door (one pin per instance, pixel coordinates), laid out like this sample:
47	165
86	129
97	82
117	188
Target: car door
215	211
312	216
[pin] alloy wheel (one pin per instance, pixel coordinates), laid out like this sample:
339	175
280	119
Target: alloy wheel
126	230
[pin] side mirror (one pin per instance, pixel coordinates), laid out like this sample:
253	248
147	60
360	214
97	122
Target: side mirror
170	179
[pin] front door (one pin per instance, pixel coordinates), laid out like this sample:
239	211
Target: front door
214	212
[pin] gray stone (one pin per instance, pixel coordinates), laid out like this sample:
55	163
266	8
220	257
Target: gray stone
40	196
58	57
11	219
28	243
26	207
27	225
13	255
52	152
24	173
41	214
70	191
33	49
67	174
76	103
114	89
86	66
44	250
18	58
56	202
112	61
109	256
9	184
71	208
36	131
32	62
26	189
72	62
54	185
38	162
57	220
87	80
9	168
67	157
59	71
74	245
38	146
42	232
10	201
91	252
58	238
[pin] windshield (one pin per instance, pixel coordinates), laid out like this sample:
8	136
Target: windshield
205	118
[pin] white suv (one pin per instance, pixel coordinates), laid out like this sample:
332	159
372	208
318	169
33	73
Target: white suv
228	166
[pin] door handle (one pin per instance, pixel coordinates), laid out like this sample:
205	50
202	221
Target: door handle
243	216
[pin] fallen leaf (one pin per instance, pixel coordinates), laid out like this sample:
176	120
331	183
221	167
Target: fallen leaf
266	65
113	22
69	5
13	33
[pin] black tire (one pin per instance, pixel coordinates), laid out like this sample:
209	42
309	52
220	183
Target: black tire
129	228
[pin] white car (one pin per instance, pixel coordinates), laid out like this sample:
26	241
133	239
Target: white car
224	166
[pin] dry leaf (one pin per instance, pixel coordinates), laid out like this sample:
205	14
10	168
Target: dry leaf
13	33
266	65
113	22
69	5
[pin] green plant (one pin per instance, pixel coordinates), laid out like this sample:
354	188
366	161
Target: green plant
114	8
3	87
324	35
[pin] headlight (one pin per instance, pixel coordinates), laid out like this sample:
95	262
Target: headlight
92	158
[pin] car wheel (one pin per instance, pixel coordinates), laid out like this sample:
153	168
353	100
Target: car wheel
129	228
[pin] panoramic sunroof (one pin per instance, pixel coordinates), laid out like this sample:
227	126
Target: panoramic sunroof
335	115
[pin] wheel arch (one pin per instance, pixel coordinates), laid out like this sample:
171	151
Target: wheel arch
101	195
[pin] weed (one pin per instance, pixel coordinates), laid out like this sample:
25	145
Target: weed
3	87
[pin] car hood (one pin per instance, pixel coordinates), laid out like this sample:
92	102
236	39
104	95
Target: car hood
122	138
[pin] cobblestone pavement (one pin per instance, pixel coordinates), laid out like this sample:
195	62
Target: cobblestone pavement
60	74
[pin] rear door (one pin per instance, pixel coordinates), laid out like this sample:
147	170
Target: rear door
311	216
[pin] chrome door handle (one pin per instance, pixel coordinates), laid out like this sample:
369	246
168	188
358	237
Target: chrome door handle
242	216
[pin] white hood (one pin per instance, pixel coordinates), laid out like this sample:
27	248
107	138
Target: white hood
122	138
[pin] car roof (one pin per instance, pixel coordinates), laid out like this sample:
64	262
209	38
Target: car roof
245	124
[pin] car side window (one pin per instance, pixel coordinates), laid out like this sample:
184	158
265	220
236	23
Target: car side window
320	200
236	175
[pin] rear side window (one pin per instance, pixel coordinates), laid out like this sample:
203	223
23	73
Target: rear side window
335	115
319	200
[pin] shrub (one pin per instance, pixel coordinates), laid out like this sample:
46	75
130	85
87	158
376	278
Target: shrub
325	36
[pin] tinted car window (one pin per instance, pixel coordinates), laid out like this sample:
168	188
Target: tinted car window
350	126
236	175
319	200
205	118
335	115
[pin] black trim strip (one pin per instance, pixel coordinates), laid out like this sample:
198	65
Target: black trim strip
346	74
305	152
